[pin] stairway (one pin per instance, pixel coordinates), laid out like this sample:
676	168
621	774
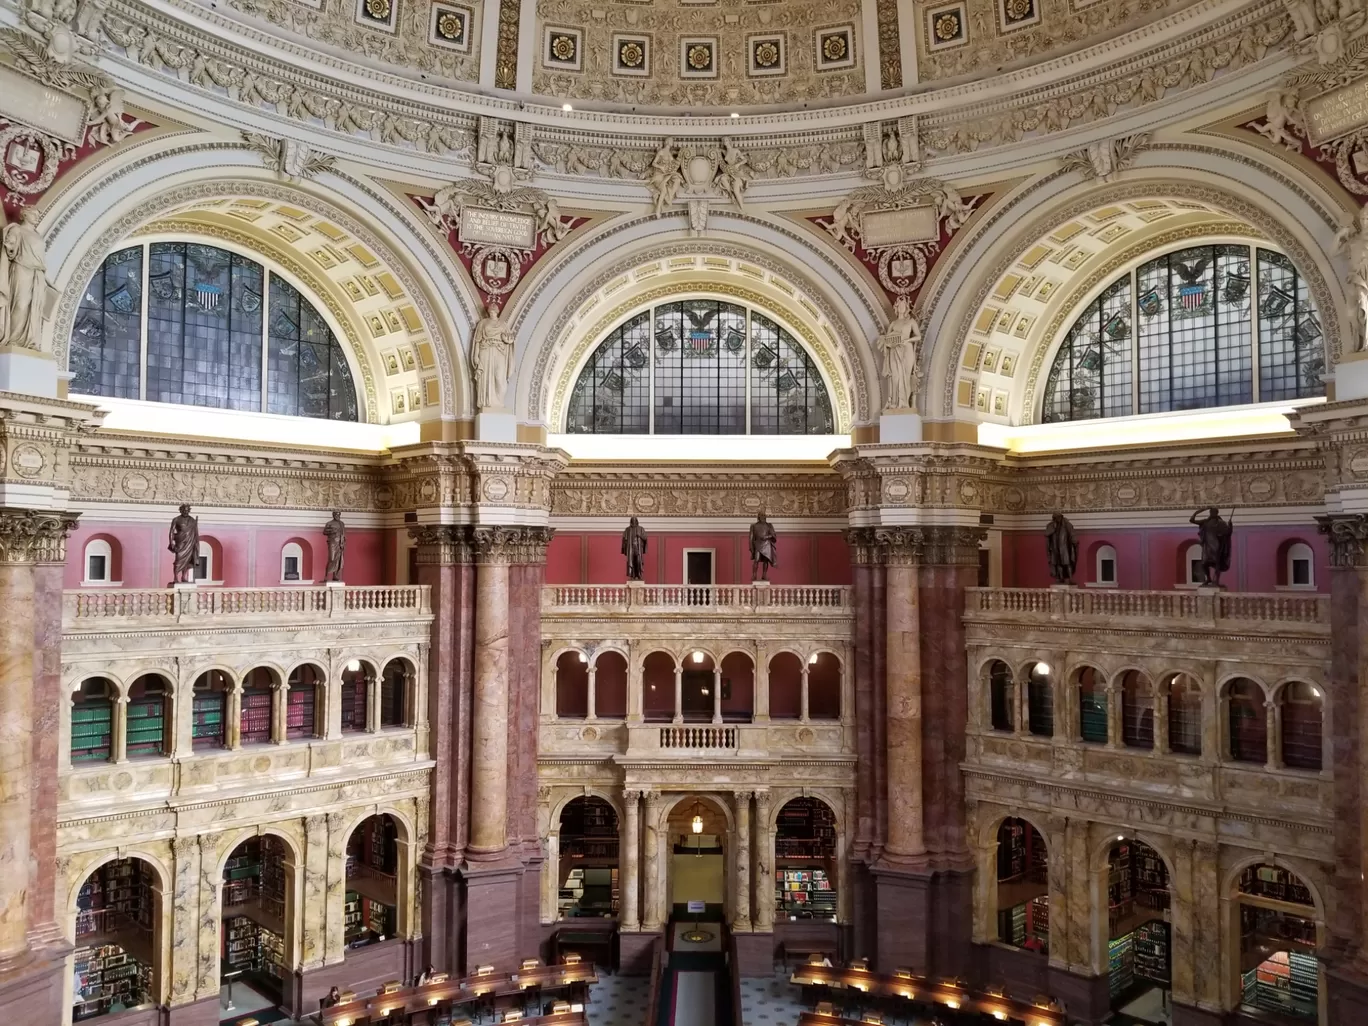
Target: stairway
695	986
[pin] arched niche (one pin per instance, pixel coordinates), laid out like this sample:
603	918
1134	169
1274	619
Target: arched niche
117	961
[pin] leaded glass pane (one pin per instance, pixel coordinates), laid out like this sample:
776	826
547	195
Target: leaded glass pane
1291	341
1091	375
106	341
307	372
165	321
697	356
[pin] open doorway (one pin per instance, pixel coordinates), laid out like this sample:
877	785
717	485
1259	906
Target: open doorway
699	575
697	830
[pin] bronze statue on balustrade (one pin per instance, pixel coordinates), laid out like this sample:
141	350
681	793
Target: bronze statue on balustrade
764	548
1213	533
634	548
1061	548
183	543
336	534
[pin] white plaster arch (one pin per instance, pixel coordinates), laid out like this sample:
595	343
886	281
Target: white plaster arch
1231	180
562	317
601	649
1225	680
1101	851
359	816
82	225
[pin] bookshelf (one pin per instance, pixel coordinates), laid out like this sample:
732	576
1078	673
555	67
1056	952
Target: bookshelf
256	716
805	829
805	894
207	719
351	917
239	944
1092	716
299	712
92	724
589	831
1260	926
1152	952
146	726
1120	965
108	978
271	953
1274	883
1286	982
805	851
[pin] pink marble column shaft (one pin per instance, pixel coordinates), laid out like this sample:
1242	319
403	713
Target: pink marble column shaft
903	683
489	713
16	755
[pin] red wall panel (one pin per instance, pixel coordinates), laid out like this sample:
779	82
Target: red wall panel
595	557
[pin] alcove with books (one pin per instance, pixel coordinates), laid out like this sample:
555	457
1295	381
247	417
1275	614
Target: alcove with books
805	861
1138	948
588	859
117	921
253	924
1023	889
1279	971
370	910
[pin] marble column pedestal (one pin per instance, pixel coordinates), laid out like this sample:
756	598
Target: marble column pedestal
494	902
635	951
32	992
922	920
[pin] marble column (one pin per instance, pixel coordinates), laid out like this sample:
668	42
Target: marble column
118	730
764	865
679	695
1114	699
741	922
184	920
762	696
1272	735
313	906
591	711
629	915
27	538
550	880
1161	719
232	733
903	684
803	695
985	887
489	704
651	916
1056	840
717	695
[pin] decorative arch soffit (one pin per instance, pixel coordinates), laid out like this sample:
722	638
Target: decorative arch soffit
746	274
1007	252
242	182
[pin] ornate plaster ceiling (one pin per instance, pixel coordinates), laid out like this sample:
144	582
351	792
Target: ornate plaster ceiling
346	281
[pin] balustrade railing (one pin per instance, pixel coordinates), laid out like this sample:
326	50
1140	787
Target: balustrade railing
1200	605
695	597
697	737
87	607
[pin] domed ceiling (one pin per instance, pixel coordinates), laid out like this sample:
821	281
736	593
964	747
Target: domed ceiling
699	54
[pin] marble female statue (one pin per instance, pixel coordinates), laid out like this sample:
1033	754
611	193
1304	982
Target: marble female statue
899	343
1352	240
492	358
665	177
183	543
24	287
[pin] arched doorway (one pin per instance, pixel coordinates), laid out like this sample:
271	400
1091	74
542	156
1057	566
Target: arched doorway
1023	886
118	918
370	912
805	860
1279	971
696	831
588	872
255	953
1138	958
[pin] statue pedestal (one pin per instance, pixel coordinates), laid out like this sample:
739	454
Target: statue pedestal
27	372
1351	376
899	426
496	427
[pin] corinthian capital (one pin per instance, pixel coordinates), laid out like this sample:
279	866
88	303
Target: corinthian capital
441	544
34	536
1348	533
498	544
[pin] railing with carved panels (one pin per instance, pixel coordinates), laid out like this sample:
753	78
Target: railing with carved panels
91	607
697	598
1206	606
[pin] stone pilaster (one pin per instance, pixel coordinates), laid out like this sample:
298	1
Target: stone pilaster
630	848
742	902
906	839
651	918
314	906
764	864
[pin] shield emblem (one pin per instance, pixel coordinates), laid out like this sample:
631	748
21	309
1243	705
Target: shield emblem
251	301
1236	288
122	300
1151	303
1308	331
1117	327
1276	301
496	267
207	296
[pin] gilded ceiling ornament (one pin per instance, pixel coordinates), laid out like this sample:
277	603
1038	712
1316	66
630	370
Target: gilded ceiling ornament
451	26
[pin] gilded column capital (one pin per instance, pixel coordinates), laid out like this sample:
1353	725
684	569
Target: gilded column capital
952	545
520	544
901	546
543	795
762	800
336	821
865	549
742	797
442	544
1348	533
184	847
34	536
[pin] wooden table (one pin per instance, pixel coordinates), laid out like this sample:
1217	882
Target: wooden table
488	989
898	994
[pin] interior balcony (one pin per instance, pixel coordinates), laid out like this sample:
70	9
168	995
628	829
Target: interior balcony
717	673
1191	698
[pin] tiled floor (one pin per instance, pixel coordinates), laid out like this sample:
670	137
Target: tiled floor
619	1000
770	1001
1150	1006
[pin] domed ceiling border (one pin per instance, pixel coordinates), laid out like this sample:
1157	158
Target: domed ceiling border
539	404
1059	91
158	203
1138	184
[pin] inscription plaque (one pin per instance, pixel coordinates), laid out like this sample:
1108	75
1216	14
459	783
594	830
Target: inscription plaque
497	227
31	103
880	228
1339	111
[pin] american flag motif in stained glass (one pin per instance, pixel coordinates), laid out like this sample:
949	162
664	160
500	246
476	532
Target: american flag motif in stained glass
700	366
182	322
1200	314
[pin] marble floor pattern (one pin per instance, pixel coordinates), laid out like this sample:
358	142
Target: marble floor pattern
618	1000
770	1001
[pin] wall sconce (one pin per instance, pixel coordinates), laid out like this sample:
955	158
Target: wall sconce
698	657
1043	669
584	657
354	665
812	659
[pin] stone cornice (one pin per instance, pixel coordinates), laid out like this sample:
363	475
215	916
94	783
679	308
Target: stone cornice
1184	48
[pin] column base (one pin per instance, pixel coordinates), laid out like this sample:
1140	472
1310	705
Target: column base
921	923
1087	998
491	908
754	953
1346	991
1191	1015
636	952
32	991
204	1012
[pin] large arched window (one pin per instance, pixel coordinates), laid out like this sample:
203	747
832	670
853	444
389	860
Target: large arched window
700	367
1189	330
180	322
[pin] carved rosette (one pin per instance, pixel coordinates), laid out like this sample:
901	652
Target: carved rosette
34	536
499	544
1348	534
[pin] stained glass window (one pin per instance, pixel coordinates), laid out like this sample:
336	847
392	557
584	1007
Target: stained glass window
700	367
1186	326
181	322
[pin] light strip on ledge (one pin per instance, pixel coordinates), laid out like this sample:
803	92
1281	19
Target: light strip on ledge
1146	429
143	418
706	448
